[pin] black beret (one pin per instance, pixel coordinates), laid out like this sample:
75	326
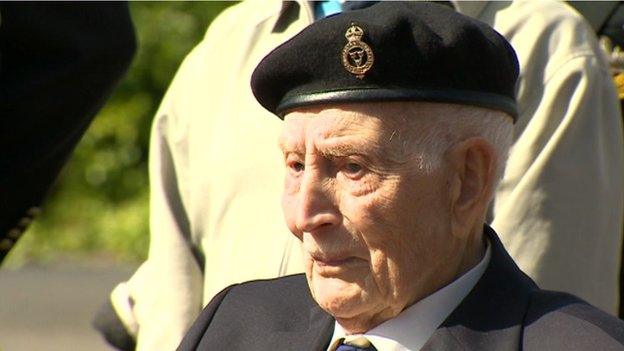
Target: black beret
391	51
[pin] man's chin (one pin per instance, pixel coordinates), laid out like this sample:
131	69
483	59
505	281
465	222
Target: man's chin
339	298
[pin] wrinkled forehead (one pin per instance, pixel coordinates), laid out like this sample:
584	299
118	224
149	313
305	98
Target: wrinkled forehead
387	122
344	122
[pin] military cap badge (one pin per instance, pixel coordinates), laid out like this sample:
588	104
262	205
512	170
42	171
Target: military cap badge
357	56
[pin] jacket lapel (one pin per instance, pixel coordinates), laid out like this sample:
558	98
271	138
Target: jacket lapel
313	336
490	317
321	329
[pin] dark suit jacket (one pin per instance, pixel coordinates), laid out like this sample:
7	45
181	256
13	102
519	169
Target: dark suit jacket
504	311
58	64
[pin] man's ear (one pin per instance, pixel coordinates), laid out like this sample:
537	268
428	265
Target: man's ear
473	163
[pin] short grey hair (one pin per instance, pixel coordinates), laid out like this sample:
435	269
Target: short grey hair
438	127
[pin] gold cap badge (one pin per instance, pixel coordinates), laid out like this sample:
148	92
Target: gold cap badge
357	56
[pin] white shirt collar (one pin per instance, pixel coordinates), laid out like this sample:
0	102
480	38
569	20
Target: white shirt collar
411	329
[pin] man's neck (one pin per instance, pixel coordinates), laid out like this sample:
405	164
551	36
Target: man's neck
473	253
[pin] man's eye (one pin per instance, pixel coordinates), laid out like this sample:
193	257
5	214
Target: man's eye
352	168
296	166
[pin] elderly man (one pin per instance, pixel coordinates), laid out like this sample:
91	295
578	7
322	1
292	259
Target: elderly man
397	122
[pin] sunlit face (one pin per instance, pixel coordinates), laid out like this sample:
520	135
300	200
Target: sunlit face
374	226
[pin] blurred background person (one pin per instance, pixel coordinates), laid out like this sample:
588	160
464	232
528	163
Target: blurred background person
567	230
607	20
213	207
58	65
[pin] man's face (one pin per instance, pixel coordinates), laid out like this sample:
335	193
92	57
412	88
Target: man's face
375	227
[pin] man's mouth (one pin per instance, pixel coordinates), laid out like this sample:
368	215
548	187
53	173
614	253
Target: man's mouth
332	262
335	264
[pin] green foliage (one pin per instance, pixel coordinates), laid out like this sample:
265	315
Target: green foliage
99	206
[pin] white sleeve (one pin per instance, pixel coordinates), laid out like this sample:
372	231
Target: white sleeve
189	133
162	299
559	207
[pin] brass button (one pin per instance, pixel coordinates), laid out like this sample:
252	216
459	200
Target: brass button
34	211
6	244
14	233
25	222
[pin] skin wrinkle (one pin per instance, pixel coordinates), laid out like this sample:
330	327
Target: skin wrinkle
349	127
391	221
439	131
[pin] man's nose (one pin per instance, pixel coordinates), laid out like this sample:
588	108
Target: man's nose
317	205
